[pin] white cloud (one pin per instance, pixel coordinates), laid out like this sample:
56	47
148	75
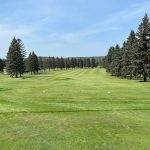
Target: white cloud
7	31
131	12
31	31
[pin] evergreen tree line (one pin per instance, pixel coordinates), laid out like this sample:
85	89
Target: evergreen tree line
17	63
132	60
66	63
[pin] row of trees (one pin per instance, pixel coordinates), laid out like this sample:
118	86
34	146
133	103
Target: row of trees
133	58
56	62
17	64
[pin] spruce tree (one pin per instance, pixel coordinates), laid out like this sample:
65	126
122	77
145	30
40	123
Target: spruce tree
40	63
62	63
116	64
125	60
93	62
129	55
33	63
2	65
50	63
109	59
45	63
53	63
143	60
15	63
88	62
58	65
67	63
85	62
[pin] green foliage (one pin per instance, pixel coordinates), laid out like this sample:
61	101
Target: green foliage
66	63
143	35
15	58
41	66
133	59
2	65
33	63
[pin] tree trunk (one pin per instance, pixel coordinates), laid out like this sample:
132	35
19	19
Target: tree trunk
130	76
145	79
16	75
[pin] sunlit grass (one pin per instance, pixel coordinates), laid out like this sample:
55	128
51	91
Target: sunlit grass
80	109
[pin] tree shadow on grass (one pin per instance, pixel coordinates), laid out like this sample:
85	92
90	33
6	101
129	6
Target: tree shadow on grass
64	79
74	111
144	81
26	77
4	89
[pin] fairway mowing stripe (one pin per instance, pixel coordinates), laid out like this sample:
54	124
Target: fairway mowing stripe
57	72
77	73
52	74
72	111
86	72
70	72
51	77
74	72
55	76
83	73
61	72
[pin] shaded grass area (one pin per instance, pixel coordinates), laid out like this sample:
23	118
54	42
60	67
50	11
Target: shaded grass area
80	109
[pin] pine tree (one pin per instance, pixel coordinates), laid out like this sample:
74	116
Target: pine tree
53	63
58	65
21	57
15	58
143	35
125	60
62	63
116	64
50	63
93	62
129	55
133	59
33	63
80	62
85	62
73	63
40	63
88	62
2	65
68	63
109	59
30	66
45	63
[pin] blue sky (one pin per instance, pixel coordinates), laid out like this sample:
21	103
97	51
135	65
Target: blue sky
69	27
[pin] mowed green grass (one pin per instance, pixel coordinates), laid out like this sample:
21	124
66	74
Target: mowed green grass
80	109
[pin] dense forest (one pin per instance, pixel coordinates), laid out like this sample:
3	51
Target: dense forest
132	60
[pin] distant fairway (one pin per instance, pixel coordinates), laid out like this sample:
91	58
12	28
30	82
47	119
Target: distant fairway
80	109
